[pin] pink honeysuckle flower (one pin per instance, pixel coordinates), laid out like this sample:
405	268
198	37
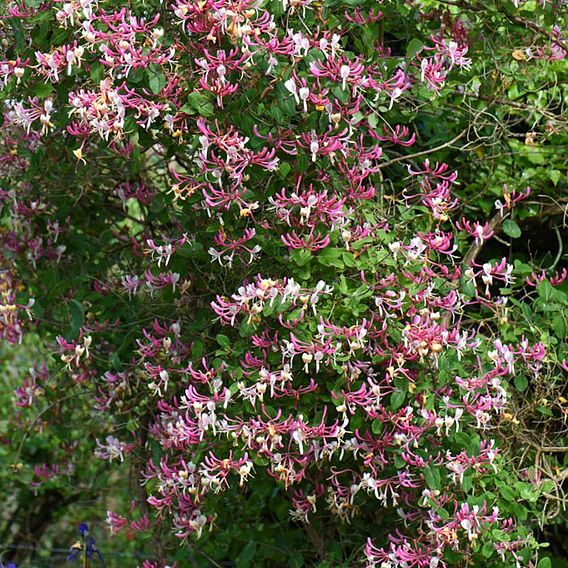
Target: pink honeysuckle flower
556	279
411	553
397	135
161	280
25	117
326	145
438	171
303	505
112	449
481	233
317	351
32	387
310	206
500	272
230	248
511	199
312	242
357	16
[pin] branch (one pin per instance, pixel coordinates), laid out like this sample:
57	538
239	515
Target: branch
474	7
536	28
424	152
316	538
495	225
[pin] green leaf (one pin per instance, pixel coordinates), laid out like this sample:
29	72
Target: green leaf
467	483
499	535
302	163
331	256
545	290
97	72
247	329
223	341
558	326
156	79
198	103
555	176
414	46
77	312
262	461
377	426
18	31
42	90
284	169
507	493
488	549
521	382
536	156
432	477
301	256
276	8
349	259
136	75
397	399
401	383
520	511
296	559
467	286
246	555
544	563
544	410
115	362
511	229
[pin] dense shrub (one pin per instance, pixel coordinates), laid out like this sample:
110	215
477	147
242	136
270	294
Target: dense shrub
277	263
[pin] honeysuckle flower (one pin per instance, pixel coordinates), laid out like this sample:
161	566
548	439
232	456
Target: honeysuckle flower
312	242
112	449
73	352
481	233
131	284
556	279
230	248
161	280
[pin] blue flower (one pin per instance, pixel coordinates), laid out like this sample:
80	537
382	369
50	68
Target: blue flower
83	547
